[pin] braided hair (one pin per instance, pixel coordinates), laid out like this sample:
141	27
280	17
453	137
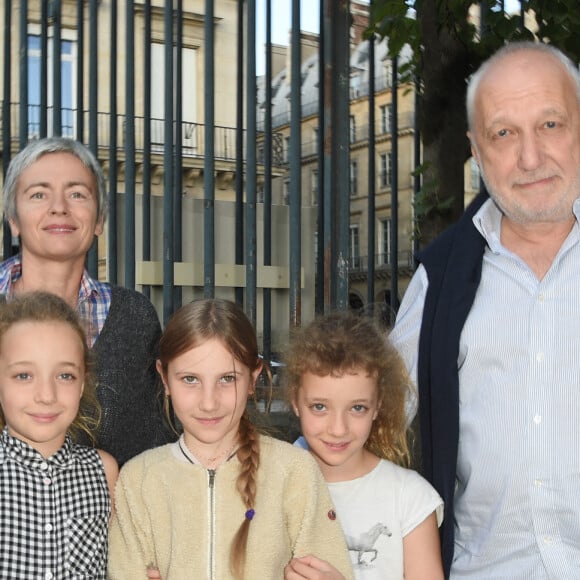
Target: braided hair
191	326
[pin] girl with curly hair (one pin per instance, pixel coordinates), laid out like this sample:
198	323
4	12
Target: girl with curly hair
348	386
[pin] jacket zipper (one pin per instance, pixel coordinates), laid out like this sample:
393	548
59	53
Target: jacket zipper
211	561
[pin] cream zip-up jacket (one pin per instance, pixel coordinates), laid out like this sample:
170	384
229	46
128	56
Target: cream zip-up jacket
182	517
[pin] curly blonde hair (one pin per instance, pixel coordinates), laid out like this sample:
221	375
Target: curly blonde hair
341	343
46	307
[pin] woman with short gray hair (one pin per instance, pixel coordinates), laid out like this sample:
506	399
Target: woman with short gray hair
55	203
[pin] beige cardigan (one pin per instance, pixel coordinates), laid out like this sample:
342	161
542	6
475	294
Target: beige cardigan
164	507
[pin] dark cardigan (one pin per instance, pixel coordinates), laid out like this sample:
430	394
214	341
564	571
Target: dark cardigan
129	388
453	265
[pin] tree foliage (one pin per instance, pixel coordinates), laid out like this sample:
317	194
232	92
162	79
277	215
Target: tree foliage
448	45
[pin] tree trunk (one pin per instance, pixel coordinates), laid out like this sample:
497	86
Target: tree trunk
444	68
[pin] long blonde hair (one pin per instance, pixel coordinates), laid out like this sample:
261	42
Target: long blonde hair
190	326
340	343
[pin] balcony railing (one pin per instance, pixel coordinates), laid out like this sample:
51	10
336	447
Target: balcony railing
362	133
311	107
192	140
360	264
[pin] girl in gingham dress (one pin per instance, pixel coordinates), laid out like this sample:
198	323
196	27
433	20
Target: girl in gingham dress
54	494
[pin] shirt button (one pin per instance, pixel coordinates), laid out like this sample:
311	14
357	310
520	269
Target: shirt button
47	481
538	482
44	467
48	575
540	297
540	357
48	528
537	419
547	539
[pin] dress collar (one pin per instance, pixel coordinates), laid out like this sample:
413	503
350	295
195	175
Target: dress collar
14	448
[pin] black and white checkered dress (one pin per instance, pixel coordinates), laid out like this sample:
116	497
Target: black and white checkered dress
54	512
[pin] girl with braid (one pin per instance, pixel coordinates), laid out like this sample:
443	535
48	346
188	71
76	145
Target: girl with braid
223	502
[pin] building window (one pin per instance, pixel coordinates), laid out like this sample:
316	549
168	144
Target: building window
314	186
68	81
286	149
286	192
354	247
386	118
352	129
388	72
353	177
355	91
385	241
188	92
385	170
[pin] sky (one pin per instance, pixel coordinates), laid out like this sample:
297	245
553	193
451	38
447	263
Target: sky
281	23
309	21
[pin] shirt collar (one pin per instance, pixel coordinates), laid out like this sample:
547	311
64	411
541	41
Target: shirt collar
88	288
487	221
13	269
23	453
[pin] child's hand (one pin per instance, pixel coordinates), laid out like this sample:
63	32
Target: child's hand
311	568
153	573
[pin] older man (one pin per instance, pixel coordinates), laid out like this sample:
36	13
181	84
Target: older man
490	325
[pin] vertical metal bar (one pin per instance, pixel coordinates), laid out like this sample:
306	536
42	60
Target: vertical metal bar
209	161
130	146
56	68
267	292
93	258
146	245
239	203
320	157
395	195
251	253
327	131
371	181
23	72
113	138
168	193
93	76
340	146
178	175
295	169
80	63
417	156
43	113
6	117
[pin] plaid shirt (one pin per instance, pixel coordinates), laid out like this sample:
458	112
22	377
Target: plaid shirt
54	512
93	303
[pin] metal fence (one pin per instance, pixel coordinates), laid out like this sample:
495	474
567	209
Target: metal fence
91	70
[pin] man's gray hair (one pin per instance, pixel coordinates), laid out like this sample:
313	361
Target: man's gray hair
512	48
36	149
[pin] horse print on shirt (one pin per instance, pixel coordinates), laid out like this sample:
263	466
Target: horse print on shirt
363	545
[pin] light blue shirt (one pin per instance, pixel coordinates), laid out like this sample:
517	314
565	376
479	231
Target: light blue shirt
517	498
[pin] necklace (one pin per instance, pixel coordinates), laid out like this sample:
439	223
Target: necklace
207	462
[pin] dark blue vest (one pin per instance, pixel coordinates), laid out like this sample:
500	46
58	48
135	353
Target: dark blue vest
453	264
